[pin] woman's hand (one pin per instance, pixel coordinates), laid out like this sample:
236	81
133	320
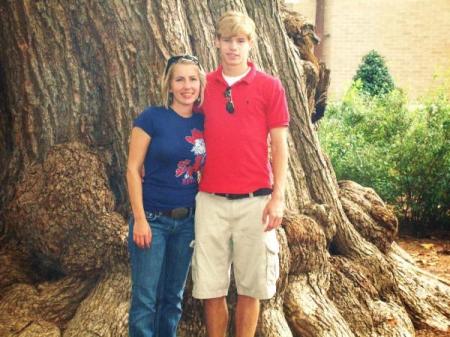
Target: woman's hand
142	234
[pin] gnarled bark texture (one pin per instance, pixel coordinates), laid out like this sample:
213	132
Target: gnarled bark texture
72	77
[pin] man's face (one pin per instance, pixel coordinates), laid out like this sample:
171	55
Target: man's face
234	50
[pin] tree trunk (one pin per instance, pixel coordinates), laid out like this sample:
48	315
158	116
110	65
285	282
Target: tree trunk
73	76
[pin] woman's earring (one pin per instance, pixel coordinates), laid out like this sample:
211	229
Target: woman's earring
197	101
170	98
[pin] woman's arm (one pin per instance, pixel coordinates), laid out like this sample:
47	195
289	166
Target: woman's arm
139	143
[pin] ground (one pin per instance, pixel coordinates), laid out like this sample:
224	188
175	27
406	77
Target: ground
433	255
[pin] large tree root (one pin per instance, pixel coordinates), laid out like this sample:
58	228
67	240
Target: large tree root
308	309
105	311
366	293
424	296
421	295
368	311
15	266
44	308
24	327
63	210
63	213
368	214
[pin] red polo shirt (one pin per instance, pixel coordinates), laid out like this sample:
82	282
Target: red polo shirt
237	143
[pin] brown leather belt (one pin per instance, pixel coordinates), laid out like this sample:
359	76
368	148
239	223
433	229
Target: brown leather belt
257	193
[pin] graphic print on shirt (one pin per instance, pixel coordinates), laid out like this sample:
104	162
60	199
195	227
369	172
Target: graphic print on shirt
184	167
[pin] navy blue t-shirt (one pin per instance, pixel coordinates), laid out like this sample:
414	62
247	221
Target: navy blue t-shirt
174	157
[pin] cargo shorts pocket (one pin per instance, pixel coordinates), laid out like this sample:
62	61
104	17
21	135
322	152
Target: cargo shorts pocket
273	264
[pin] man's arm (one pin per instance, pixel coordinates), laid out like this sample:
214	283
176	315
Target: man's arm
273	212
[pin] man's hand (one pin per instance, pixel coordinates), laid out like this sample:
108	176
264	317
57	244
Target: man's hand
142	234
273	213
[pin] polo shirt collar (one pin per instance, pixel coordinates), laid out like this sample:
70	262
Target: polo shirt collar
247	79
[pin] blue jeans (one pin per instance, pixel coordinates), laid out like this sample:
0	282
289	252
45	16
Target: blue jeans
158	276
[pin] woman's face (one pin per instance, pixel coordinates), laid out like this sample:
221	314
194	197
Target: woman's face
185	84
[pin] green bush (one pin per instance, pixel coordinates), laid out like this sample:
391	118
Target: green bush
357	134
423	162
404	154
374	75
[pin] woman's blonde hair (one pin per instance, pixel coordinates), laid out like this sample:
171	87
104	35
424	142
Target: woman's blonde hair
232	23
168	74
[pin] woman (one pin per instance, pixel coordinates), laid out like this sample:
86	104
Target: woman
168	142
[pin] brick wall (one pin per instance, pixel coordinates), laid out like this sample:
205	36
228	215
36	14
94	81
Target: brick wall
305	7
412	35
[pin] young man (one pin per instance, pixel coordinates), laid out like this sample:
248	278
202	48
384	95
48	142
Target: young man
239	205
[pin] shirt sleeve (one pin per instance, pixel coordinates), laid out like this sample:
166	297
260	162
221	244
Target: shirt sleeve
145	121
277	109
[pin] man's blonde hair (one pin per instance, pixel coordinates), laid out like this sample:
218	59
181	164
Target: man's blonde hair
167	77
233	23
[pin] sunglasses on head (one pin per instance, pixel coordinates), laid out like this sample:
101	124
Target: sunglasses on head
176	58
229	105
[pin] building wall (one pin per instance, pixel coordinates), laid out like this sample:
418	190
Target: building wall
412	35
306	7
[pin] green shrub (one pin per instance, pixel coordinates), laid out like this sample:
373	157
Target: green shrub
423	162
374	75
357	134
404	154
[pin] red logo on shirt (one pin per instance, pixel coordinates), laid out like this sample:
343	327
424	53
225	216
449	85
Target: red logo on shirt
184	168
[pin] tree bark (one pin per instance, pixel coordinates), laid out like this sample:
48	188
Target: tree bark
73	76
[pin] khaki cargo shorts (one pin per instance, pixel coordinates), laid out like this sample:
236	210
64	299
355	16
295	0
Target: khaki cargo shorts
231	232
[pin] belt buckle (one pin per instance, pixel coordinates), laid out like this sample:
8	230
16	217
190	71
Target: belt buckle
179	213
